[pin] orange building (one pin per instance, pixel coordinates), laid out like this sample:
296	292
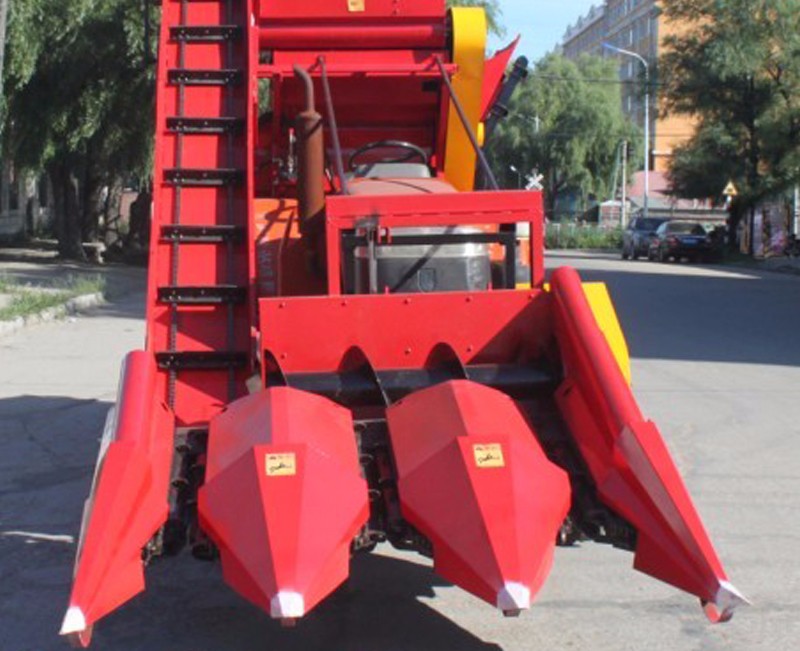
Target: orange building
640	27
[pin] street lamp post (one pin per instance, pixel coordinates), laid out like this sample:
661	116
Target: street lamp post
643	61
519	176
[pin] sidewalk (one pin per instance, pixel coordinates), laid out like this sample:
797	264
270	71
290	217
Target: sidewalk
783	264
35	286
778	264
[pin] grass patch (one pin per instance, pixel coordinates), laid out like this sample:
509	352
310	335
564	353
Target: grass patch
569	235
76	285
27	300
25	303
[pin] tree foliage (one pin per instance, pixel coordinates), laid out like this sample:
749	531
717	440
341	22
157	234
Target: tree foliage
494	13
78	103
735	67
565	121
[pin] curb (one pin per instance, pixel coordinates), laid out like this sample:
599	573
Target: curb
75	305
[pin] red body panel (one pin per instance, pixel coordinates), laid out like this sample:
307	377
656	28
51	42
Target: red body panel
323	12
404	331
474	480
493	72
128	502
626	455
283	498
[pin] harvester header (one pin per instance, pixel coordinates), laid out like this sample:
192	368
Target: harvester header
349	337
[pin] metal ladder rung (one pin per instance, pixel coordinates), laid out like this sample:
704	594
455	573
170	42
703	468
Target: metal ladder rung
212	234
202	77
203	177
200	360
205	33
201	294
204	125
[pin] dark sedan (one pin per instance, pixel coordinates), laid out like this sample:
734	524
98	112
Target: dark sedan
636	238
678	240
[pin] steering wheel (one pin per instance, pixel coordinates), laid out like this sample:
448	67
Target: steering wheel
412	151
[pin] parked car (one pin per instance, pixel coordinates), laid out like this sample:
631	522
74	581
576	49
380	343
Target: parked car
636	238
678	240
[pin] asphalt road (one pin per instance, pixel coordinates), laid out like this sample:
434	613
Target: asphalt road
716	363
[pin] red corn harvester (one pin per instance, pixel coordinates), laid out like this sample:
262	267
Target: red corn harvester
340	348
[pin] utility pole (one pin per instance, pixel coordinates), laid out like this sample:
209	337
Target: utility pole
646	66
624	207
3	163
3	16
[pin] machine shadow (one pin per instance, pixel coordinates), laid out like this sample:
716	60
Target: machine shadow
48	446
720	330
47	454
377	610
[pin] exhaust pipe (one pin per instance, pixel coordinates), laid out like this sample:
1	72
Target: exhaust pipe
310	156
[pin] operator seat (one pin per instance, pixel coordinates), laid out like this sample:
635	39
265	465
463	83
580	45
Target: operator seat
390	171
395	178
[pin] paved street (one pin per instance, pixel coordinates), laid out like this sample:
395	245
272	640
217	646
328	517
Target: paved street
716	363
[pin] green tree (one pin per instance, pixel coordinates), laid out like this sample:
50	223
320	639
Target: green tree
494	14
78	104
566	121
735	68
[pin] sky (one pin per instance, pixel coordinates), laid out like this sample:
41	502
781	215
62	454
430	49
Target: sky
541	23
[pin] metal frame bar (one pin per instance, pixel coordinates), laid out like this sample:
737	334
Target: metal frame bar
337	147
449	209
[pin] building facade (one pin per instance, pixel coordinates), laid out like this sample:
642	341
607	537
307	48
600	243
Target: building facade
586	35
637	26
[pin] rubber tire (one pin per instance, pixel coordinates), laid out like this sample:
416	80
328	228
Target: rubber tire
625	254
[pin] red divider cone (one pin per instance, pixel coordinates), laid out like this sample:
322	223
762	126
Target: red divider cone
474	480
283	498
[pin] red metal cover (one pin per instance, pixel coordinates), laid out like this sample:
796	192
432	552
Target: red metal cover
474	480
312	11
283	498
307	334
493	72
